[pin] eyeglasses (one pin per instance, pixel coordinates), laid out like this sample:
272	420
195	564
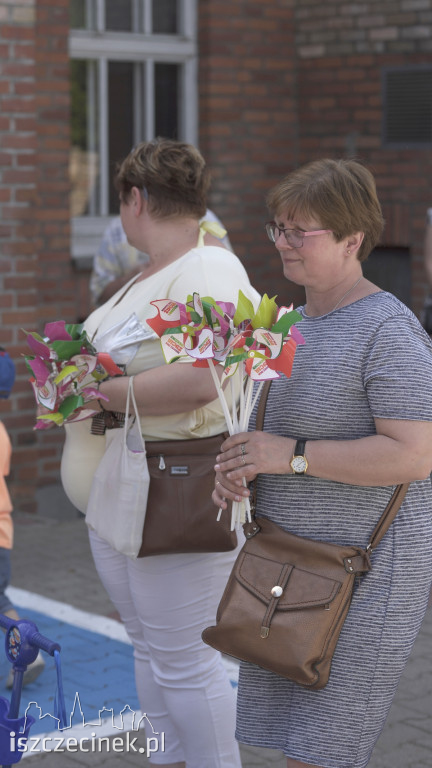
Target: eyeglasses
293	237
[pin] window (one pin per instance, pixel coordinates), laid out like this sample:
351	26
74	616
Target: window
390	268
132	77
407	106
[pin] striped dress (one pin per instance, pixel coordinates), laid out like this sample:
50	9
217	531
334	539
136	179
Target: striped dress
368	359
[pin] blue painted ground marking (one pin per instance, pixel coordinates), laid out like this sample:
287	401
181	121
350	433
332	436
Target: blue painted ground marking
99	668
97	663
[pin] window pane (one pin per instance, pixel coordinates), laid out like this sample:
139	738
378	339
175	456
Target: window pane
390	268
120	119
84	158
118	15
82	14
165	17
408	113
167	78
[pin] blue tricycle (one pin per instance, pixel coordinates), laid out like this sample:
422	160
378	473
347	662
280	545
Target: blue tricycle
22	644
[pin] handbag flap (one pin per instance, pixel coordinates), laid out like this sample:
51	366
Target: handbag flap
301	588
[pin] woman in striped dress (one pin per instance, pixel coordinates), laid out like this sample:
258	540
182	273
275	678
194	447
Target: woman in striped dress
357	416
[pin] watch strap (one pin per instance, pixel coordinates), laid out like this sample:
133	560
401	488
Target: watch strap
300	447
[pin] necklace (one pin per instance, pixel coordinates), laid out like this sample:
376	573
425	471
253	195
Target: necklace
338	303
346	294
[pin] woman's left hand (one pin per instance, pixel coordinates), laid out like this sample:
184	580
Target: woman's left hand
250	453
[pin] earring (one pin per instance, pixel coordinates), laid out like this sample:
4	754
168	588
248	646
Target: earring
348	251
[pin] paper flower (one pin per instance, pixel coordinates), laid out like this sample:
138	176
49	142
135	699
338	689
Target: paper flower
65	368
252	346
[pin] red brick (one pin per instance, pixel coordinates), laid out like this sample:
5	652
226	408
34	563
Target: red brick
6	300
18	177
10	32
17	105
6	335
26	125
18	248
18	318
16	69
24	52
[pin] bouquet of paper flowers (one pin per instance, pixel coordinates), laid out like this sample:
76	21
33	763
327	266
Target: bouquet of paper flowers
252	346
65	370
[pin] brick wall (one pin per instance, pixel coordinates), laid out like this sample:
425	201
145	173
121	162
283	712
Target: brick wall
342	49
35	270
248	121
18	233
280	82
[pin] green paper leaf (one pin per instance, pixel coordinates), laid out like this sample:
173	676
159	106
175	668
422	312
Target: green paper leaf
70	404
245	309
286	321
176	329
66	349
265	313
207	304
75	330
231	359
35	335
56	418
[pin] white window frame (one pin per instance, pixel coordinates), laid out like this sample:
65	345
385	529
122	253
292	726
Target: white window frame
146	48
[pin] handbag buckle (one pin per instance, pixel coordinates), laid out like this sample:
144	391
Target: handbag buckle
251	529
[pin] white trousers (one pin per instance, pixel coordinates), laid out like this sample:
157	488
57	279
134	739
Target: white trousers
165	602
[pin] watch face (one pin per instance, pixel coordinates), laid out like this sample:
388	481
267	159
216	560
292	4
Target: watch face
299	464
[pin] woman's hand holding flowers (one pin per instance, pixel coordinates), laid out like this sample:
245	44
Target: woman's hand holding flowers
245	455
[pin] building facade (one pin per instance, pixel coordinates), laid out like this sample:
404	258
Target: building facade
260	86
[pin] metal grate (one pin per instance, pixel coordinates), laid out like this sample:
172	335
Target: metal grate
407	106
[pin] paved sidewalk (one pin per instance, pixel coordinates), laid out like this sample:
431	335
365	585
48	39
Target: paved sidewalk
51	558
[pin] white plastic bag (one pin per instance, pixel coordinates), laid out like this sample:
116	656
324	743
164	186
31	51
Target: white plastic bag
118	497
122	339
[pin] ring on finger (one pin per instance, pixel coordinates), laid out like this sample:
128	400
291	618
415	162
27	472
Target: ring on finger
243	460
243	449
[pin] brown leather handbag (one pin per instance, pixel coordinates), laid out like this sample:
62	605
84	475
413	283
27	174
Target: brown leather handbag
287	597
181	516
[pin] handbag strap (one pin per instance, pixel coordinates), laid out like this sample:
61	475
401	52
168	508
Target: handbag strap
392	507
135	415
388	516
262	405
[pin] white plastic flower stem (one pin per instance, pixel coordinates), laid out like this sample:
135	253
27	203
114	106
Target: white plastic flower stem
221	396
257	395
235	417
247	407
241	374
237	507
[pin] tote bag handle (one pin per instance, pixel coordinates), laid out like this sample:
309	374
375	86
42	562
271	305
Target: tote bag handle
132	419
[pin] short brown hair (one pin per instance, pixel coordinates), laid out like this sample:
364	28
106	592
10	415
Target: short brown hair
171	174
340	194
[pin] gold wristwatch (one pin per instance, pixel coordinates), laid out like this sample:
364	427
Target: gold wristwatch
299	463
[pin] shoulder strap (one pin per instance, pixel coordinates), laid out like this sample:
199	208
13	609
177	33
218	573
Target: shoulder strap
393	505
388	516
262	405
